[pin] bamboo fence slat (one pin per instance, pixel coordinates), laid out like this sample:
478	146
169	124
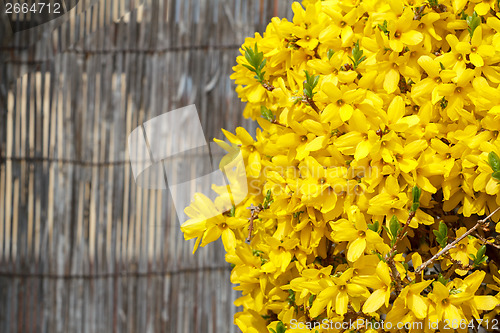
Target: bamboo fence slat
82	247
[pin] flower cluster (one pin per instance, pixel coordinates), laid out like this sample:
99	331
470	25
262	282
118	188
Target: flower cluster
374	178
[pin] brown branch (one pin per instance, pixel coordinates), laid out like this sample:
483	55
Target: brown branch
253	215
452	245
486	242
457	264
418	14
311	104
389	257
268	86
400	236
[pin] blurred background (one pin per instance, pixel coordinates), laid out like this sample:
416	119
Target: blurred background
82	248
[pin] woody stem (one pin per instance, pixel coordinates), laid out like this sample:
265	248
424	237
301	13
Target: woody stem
452	245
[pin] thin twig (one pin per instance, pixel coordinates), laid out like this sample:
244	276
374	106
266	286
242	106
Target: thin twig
312	104
452	245
400	236
389	257
486	242
268	86
253	215
418	14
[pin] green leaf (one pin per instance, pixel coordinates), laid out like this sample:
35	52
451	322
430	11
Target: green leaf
442	280
416	192
266	114
443	228
480	257
383	27
443	103
309	84
280	328
249	55
373	226
232	211
249	67
433	3
494	161
256	62
357	55
311	300
330	53
394	226
481	251
441	234
267	200
496	175
473	21
291	297
442	66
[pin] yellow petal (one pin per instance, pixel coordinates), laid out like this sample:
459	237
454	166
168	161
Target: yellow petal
412	37
458	5
316	144
229	240
476	59
396	109
243	135
374	302
231	137
255	93
486	303
356	249
391	81
452	313
482	8
362	150
383	273
354	289
341	303
254	165
417	304
429	65
346	111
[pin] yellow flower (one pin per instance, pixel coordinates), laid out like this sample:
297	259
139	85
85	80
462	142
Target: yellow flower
447	305
398	94
356	232
410	306
462	250
484	6
476	49
336	295
402	31
381	283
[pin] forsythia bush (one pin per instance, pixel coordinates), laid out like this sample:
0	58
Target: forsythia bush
374	179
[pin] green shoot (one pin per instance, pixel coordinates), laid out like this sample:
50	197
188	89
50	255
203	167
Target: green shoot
494	162
479	258
441	234
473	22
309	84
256	61
266	113
357	56
383	27
416	192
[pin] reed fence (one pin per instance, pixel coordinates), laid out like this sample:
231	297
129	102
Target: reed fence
82	247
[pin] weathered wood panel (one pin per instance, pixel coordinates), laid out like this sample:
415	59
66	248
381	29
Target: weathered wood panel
82	248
